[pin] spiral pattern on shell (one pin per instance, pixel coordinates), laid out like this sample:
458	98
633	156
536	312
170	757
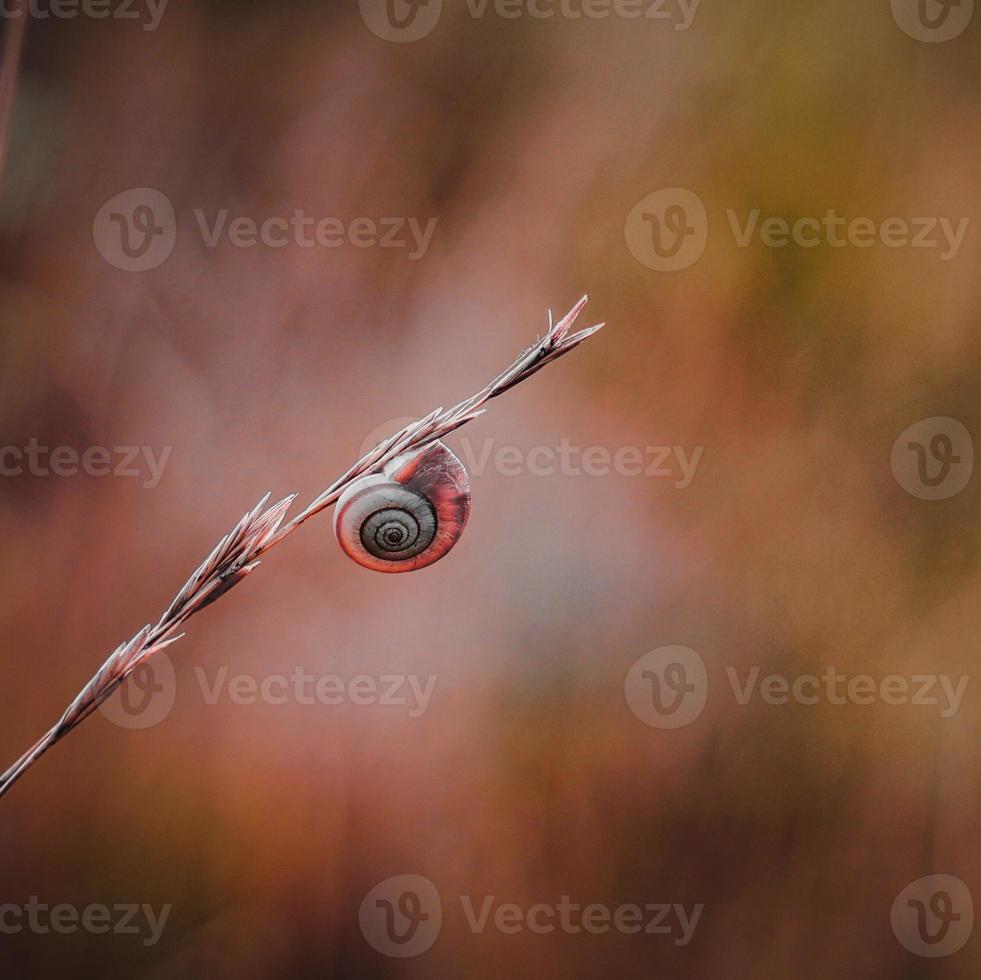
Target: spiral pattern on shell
409	515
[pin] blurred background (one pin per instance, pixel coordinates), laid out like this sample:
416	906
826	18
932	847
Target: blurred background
777	534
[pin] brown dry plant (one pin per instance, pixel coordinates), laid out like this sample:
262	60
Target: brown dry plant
238	553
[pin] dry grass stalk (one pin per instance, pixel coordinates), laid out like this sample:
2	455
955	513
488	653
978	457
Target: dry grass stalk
238	553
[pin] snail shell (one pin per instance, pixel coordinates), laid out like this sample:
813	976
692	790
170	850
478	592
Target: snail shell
407	516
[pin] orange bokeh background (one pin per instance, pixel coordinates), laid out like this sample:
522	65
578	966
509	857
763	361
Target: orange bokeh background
527	777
